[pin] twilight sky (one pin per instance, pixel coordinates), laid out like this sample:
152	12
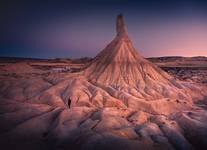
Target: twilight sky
77	28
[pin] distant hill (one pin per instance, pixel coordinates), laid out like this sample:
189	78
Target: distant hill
177	58
88	59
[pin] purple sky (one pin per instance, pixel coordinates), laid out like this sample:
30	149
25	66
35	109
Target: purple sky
83	28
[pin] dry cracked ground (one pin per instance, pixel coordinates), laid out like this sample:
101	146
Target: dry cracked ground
35	113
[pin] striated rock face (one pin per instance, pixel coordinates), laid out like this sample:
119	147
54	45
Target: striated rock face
119	64
121	28
118	101
120	67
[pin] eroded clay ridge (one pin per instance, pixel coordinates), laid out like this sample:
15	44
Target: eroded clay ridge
120	67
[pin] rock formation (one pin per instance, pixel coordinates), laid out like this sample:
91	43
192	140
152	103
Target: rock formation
118	101
120	67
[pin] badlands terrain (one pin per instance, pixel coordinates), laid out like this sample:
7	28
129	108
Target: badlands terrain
117	100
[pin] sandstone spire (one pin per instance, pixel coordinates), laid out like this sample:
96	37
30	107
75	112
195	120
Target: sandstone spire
120	66
119	63
121	28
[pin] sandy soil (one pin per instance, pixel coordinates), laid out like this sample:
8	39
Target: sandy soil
35	115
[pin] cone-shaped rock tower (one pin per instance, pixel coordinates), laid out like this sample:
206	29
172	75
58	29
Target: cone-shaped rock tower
121	67
120	64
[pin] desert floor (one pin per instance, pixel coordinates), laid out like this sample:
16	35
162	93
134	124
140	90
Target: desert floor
36	113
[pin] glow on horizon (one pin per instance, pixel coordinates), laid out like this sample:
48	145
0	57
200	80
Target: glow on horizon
151	40
79	28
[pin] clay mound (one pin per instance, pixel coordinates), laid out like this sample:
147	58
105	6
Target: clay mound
119	66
